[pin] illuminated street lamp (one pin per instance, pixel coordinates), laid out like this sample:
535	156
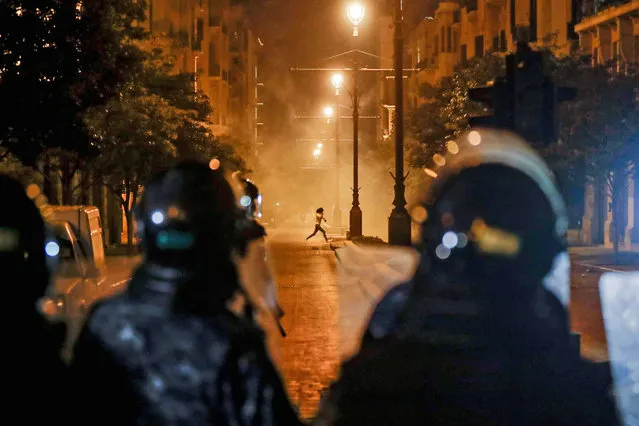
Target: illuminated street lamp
355	13
328	112
317	153
320	145
337	80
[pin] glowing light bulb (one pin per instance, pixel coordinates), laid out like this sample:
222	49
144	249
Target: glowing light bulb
157	218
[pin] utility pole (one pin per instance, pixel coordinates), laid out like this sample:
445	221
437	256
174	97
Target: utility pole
338	211
399	229
356	211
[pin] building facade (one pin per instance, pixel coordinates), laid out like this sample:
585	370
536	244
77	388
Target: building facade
215	43
609	33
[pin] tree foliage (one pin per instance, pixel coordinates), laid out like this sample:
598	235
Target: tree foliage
59	58
599	130
447	107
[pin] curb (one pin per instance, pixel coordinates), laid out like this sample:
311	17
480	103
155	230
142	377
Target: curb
601	268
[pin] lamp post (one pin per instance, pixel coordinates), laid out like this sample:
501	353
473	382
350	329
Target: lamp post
355	13
337	80
399	221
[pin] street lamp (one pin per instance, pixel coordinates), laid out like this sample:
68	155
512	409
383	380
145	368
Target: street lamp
399	222
317	153
328	112
337	80
355	13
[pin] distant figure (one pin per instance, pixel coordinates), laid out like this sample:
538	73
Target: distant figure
319	217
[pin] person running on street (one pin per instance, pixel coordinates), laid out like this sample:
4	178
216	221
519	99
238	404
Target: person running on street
319	217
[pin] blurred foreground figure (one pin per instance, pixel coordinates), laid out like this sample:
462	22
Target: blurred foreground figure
36	384
258	299
168	351
480	335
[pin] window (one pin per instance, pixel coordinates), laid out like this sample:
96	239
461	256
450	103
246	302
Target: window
479	46
503	42
215	9
436	45
463	53
496	43
443	40
455	41
214	66
449	39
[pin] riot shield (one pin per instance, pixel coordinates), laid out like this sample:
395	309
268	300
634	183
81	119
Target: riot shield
366	274
620	305
259	288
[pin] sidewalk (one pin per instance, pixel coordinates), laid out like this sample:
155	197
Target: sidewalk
605	257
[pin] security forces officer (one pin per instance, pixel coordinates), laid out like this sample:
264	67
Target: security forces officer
168	351
480	335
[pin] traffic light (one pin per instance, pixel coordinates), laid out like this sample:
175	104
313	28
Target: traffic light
499	98
525	101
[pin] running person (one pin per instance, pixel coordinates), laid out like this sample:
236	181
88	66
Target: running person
319	217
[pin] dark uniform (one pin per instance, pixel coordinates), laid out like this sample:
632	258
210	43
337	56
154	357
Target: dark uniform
35	379
480	335
167	351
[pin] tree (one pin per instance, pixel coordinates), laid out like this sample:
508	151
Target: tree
447	107
134	135
157	119
59	58
598	130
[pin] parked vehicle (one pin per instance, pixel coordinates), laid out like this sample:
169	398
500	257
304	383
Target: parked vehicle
81	276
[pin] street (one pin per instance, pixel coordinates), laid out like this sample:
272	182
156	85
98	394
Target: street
314	301
308	293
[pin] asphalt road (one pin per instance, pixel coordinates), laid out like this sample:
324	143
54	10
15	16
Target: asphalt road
323	314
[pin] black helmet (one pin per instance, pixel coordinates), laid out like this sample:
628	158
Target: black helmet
320	210
251	199
494	213
186	213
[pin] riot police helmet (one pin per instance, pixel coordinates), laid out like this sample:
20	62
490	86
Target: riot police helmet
494	214
187	215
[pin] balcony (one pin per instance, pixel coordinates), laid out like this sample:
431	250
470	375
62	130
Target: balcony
603	13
